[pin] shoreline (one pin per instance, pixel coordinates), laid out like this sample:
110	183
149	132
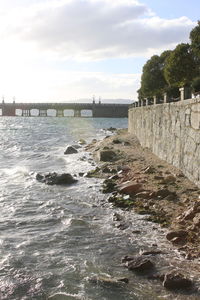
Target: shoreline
137	180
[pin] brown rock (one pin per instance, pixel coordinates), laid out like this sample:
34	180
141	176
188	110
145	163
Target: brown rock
174	234
107	155
169	179
175	281
162	193
179	240
130	188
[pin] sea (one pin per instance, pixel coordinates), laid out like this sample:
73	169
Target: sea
54	240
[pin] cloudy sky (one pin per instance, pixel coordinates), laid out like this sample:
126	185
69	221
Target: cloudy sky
65	50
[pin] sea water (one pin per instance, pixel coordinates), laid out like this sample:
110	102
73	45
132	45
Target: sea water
53	239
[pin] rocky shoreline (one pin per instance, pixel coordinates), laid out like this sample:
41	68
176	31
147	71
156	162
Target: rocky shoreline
137	180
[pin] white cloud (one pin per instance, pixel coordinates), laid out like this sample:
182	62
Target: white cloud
94	29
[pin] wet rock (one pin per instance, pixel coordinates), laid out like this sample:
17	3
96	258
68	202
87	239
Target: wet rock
108	186
70	150
117	217
108	281
173	281
56	179
130	188
93	173
139	264
82	142
179	241
174	234
136	231
122	226
81	174
151	252
111	129
120	201
107	155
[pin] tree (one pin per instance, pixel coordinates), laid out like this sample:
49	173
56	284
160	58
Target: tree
180	66
195	42
152	80
196	85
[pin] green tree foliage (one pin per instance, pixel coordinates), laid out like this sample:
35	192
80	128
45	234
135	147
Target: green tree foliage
196	85
195	42
153	81
180	66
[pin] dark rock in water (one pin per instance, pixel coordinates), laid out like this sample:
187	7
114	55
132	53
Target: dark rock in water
81	174
139	264
107	155
108	281
82	142
111	129
173	281
108	186
151	252
122	226
117	217
70	150
178	233
54	178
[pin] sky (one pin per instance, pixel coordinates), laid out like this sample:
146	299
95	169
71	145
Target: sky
68	50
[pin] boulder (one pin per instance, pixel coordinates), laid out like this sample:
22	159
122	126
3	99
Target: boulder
130	188
70	150
107	155
117	141
111	129
162	193
169	179
151	252
54	178
178	233
82	142
139	264
173	281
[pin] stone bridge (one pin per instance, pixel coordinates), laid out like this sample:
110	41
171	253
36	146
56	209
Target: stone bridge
98	110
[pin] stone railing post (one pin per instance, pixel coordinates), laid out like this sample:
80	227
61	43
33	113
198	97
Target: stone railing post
166	98
185	93
182	94
147	101
142	102
154	100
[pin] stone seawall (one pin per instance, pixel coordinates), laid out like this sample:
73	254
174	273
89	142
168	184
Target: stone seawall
172	132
